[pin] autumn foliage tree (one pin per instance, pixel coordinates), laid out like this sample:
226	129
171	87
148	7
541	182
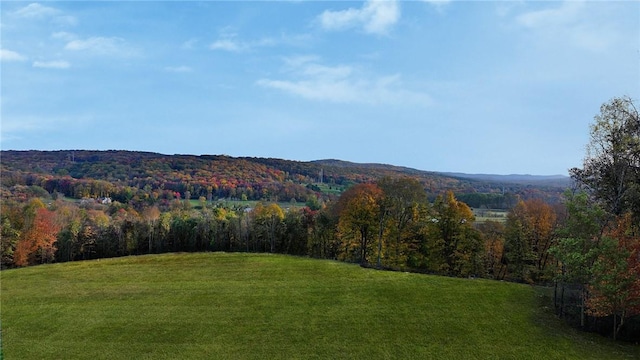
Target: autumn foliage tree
11	224
403	204
614	289
359	214
151	216
454	246
493	235
530	232
267	221
37	244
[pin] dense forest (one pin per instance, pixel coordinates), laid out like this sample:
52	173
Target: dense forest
137	177
584	241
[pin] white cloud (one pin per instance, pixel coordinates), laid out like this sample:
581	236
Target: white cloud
339	91
228	42
438	2
375	17
439	5
39	12
8	55
298	61
343	84
227	45
572	24
567	13
57	64
178	69
98	45
327	72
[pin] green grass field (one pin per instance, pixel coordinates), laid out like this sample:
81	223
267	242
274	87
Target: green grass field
484	215
251	306
331	188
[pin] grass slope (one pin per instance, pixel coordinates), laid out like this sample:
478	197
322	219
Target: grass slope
249	306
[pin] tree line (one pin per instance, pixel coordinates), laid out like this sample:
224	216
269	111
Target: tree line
587	248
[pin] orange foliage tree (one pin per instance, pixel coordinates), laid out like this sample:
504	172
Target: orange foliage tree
530	233
493	234
37	245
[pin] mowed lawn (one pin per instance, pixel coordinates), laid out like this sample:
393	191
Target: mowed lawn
260	306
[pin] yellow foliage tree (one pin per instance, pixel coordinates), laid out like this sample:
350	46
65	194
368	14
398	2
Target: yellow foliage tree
359	213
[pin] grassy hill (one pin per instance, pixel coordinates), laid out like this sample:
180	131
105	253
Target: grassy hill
249	306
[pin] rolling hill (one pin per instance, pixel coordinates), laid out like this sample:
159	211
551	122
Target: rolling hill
251	306
80	173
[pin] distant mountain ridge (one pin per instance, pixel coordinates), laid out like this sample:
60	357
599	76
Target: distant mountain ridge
349	164
560	180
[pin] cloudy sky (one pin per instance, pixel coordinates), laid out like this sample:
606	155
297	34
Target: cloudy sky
470	86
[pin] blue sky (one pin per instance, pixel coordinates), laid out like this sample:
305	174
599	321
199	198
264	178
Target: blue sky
470	86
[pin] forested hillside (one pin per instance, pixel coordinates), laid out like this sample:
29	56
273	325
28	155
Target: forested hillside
128	176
